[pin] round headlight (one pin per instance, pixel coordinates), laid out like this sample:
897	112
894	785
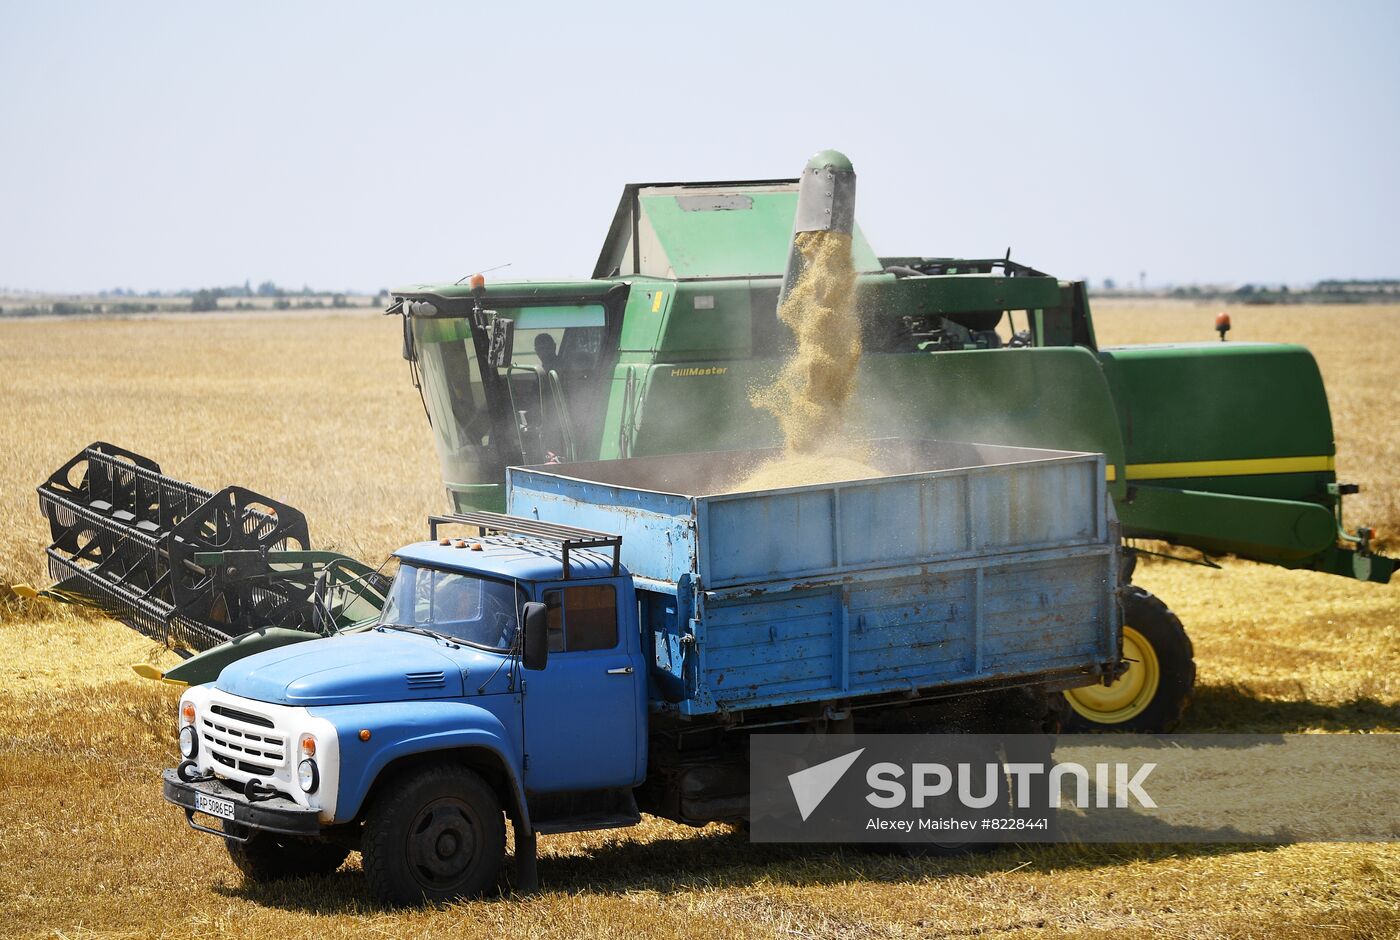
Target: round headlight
308	776
189	742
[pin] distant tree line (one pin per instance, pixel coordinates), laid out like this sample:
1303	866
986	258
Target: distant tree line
67	308
246	289
1323	292
122	300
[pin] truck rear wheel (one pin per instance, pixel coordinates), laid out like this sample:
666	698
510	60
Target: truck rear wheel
435	835
1152	695
270	856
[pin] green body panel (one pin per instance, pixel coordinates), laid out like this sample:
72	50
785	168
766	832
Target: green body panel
1041	397
1226	407
463	497
729	242
1213	401
645	318
1287	531
706	320
712	320
887	295
1037	397
708	231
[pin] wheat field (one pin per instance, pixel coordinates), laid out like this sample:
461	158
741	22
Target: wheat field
317	410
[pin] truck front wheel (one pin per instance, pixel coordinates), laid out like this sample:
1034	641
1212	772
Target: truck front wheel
270	856
1152	695
435	835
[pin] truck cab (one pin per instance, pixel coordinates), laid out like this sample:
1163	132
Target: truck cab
305	752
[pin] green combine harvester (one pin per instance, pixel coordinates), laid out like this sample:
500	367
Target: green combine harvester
1222	447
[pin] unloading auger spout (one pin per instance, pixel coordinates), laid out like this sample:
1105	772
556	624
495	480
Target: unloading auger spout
826	202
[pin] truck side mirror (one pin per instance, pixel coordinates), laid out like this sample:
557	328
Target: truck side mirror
536	644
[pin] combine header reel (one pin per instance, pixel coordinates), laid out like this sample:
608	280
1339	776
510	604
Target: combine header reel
188	566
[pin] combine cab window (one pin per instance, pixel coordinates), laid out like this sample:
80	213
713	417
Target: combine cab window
455	399
545	405
553	379
569	352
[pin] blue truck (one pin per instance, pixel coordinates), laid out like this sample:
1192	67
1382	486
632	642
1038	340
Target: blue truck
606	648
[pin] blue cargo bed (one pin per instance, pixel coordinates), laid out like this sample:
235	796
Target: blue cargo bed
965	564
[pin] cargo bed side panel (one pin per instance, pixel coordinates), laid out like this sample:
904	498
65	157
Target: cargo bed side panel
819	530
915	631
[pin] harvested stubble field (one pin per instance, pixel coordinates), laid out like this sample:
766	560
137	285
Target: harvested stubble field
318	410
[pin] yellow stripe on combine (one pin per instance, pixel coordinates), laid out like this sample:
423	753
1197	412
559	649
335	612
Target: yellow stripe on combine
1224	468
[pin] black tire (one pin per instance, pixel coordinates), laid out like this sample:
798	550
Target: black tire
270	856
435	835
1155	710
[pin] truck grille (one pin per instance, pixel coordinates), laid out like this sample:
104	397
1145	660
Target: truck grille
243	765
248	718
240	740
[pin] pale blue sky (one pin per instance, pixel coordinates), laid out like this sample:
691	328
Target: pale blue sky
362	146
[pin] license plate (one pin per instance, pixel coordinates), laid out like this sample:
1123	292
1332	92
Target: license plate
213	806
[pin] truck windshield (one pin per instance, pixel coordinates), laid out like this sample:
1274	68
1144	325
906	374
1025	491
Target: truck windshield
475	610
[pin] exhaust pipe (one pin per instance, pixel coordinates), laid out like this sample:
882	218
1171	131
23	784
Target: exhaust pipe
826	202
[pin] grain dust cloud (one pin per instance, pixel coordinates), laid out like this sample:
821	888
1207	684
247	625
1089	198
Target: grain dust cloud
811	394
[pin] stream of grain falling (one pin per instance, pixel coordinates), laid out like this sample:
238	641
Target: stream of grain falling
810	395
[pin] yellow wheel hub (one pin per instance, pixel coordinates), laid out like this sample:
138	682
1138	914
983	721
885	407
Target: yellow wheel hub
1130	695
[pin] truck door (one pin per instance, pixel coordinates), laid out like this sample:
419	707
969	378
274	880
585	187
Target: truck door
584	710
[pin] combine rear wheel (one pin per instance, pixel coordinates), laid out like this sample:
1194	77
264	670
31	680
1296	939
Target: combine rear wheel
1153	694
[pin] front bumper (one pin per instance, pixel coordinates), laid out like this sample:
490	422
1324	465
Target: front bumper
277	814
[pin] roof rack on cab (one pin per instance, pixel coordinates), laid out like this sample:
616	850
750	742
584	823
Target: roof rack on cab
569	537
